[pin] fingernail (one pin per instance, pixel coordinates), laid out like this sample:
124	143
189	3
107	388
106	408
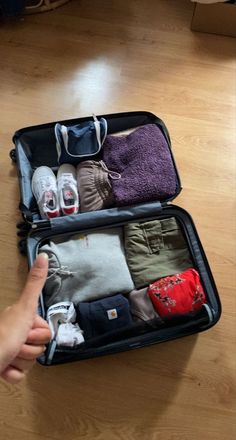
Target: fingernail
44	255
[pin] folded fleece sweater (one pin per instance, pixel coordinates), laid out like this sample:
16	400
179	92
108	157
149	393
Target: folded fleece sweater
86	267
144	162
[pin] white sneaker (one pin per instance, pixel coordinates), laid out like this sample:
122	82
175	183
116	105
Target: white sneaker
67	189
44	188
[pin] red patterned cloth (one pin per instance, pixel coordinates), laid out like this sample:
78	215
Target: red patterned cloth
177	294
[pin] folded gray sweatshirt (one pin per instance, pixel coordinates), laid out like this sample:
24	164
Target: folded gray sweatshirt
86	267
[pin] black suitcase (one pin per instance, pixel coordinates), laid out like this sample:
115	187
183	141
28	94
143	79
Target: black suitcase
35	146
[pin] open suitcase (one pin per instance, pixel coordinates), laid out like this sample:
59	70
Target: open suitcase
35	146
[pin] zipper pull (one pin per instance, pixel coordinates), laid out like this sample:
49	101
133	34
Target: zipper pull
52	346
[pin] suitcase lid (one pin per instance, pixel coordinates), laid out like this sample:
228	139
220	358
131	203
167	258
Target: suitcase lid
36	146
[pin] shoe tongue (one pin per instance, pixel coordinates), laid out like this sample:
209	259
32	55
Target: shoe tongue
68	197
49	199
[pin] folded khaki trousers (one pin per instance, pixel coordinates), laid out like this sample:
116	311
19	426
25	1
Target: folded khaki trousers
154	250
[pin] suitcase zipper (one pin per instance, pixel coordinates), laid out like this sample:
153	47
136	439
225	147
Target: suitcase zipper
43	224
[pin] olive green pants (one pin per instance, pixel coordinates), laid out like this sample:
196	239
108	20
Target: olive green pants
154	250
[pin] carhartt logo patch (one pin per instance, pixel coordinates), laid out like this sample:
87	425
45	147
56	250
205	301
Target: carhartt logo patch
112	314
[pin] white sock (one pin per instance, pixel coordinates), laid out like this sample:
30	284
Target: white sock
61	319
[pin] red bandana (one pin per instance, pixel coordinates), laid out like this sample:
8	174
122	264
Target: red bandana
177	294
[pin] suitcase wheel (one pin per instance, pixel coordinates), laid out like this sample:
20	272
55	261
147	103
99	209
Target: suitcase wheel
22	246
12	155
23	229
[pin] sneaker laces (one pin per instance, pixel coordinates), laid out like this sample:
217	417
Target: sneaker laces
66	180
47	187
47	183
67	187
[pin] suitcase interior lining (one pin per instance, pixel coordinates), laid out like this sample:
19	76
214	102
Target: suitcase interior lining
150	329
36	146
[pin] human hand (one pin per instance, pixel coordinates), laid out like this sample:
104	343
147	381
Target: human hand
22	332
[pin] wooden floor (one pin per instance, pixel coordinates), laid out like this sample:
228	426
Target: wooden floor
109	56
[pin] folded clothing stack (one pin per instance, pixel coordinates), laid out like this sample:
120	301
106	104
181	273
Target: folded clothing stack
135	168
103	316
168	298
176	295
87	267
118	278
144	161
155	249
110	170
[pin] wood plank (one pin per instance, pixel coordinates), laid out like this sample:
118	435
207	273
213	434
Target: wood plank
108	56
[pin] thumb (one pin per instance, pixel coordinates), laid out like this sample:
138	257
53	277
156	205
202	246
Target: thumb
34	283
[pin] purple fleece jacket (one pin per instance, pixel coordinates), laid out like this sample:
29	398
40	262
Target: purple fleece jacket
144	161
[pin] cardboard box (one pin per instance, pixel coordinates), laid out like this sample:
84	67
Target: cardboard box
215	18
